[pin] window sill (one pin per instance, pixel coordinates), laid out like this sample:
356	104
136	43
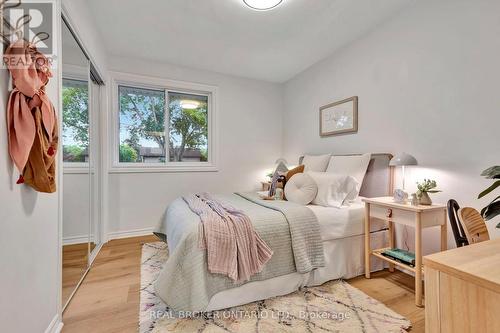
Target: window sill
75	170
163	169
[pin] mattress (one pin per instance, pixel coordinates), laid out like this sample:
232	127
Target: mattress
348	221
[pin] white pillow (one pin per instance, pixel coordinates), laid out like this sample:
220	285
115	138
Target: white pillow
334	190
301	189
354	166
316	162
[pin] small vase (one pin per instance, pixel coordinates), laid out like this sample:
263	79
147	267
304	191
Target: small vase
425	199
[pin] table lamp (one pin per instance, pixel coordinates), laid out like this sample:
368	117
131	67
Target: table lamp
403	160
280	165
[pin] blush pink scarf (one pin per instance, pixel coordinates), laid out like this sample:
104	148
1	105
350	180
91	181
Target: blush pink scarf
30	73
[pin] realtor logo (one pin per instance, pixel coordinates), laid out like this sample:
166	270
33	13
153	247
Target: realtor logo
31	20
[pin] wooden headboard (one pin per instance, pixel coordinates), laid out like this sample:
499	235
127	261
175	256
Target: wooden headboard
379	178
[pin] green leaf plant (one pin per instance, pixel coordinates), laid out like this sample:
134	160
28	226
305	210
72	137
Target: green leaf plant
493	208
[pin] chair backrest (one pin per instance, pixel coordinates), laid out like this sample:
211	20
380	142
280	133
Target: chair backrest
458	230
474	225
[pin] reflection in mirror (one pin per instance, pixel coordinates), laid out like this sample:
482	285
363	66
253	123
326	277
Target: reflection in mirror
93	160
76	179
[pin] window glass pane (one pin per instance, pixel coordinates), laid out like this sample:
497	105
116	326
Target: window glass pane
75	95
188	127
142	125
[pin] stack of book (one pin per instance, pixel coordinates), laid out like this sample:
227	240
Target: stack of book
402	256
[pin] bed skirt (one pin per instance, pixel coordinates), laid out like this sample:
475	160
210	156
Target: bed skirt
344	260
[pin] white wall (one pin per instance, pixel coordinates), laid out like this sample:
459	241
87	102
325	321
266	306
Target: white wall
249	130
29	244
427	82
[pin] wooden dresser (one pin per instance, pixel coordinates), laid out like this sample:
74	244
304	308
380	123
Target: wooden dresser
462	289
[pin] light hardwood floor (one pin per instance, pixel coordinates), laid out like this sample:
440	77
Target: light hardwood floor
75	258
108	299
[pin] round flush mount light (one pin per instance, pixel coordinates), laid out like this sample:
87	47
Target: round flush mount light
262	4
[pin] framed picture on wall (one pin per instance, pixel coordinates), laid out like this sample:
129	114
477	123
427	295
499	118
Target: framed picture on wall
339	117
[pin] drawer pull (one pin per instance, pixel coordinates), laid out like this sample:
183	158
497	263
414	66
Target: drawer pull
388	213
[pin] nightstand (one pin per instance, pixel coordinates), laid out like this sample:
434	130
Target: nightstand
265	186
418	217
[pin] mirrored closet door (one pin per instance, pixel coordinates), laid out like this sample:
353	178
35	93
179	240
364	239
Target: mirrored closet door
81	183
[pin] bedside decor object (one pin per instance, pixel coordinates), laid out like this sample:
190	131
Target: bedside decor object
339	117
419	217
400	196
278	194
403	160
274	183
414	200
493	208
428	186
281	166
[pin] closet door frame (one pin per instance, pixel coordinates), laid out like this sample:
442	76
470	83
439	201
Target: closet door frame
63	16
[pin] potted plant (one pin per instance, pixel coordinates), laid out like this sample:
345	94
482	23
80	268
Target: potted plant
428	186
493	208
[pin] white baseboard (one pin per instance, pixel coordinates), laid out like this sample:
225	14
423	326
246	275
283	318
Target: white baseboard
129	233
55	325
76	240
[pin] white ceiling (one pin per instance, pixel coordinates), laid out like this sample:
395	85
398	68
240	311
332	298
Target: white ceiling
227	37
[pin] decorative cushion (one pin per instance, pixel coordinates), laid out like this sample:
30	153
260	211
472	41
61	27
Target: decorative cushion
301	189
294	171
316	162
334	190
354	166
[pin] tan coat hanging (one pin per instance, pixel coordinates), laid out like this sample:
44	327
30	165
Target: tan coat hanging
31	117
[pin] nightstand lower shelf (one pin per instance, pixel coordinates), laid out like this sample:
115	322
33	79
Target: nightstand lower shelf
378	253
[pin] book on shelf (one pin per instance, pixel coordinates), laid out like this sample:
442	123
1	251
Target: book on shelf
402	256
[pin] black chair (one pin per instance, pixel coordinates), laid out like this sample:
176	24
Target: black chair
456	226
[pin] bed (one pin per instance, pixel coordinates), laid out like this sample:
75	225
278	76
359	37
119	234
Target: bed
184	283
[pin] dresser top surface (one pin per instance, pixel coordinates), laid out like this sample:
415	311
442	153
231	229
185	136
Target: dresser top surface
478	263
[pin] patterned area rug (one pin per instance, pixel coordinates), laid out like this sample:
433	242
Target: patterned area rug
332	307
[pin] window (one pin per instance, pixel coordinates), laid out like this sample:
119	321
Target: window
75	96
163	126
142	125
188	127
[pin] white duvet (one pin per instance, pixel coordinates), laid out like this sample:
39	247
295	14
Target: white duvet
347	221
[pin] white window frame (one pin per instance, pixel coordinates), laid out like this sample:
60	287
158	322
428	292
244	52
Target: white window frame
166	85
77	73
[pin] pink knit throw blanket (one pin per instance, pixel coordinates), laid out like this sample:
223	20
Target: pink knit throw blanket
233	246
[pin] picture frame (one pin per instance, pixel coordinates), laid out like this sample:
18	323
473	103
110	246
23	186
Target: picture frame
339	117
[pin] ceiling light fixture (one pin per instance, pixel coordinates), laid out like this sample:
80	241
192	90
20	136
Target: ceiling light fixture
190	105
262	4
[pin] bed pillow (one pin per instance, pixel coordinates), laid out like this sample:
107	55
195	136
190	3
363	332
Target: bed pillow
354	166
294	171
334	190
301	189
316	162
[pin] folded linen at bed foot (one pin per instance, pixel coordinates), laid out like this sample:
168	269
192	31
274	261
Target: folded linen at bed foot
233	247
